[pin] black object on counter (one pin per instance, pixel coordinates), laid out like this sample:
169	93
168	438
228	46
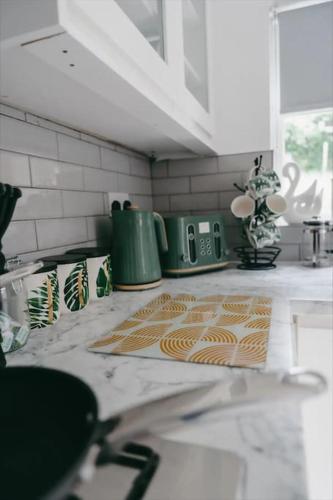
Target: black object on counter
116	205
2	356
254	259
48	422
126	205
8	198
67	258
89	251
134	456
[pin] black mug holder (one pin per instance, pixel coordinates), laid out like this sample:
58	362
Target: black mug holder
253	259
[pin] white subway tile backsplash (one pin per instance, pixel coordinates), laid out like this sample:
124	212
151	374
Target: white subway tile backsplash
159	169
41	122
16	135
99	229
55	174
117	162
100	180
20	237
134	185
97	141
68	173
289	252
226	197
229	218
199	201
291	234
64	188
77	151
39	254
9	111
218	182
38	204
52	233
143	202
234	236
14	169
206	166
78	203
161	203
128	151
171	185
139	167
244	161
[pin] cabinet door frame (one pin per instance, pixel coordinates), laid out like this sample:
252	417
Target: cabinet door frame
125	50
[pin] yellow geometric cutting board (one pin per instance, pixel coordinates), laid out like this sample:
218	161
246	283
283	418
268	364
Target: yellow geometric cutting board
229	330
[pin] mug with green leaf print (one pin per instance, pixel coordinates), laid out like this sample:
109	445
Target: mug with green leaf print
99	270
43	296
264	184
73	281
262	235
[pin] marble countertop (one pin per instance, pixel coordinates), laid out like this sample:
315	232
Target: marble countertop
269	439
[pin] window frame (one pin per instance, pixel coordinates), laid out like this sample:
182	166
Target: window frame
276	117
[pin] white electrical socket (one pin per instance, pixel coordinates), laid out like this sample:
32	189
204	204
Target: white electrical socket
121	197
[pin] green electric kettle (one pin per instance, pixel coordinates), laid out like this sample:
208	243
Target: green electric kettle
136	235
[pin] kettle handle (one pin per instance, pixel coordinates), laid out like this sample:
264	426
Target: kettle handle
161	232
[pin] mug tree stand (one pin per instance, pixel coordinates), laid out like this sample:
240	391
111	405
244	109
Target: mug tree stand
253	259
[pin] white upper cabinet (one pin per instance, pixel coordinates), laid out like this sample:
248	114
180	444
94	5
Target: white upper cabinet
133	71
147	15
195	50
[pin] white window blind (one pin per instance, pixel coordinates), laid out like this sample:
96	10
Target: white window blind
306	58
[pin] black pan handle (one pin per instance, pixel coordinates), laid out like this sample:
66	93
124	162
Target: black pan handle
106	427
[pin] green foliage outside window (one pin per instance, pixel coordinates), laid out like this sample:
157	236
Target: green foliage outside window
309	141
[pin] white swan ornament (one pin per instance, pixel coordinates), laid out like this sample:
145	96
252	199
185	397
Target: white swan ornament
303	205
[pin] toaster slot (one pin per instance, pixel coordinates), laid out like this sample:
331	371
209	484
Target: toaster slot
217	240
191	243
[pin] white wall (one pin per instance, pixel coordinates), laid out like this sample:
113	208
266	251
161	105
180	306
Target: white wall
240	72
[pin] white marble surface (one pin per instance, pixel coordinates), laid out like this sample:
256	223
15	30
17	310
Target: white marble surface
269	439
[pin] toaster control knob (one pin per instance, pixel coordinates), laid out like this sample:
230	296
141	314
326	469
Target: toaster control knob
184	258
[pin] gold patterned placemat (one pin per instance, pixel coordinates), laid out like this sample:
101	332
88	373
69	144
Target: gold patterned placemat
227	330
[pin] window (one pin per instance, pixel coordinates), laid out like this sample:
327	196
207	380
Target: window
304	118
308	142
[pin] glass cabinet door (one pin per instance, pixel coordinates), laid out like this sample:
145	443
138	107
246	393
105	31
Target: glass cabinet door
195	49
147	15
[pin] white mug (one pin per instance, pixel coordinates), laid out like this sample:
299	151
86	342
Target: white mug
242	206
272	207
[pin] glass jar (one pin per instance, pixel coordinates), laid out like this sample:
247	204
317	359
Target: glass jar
317	242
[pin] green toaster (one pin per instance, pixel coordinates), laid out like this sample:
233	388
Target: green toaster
196	243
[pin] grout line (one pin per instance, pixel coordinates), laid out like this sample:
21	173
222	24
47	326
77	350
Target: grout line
35	230
100	156
53	248
30	171
41	219
36	233
62	203
108	144
57	141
